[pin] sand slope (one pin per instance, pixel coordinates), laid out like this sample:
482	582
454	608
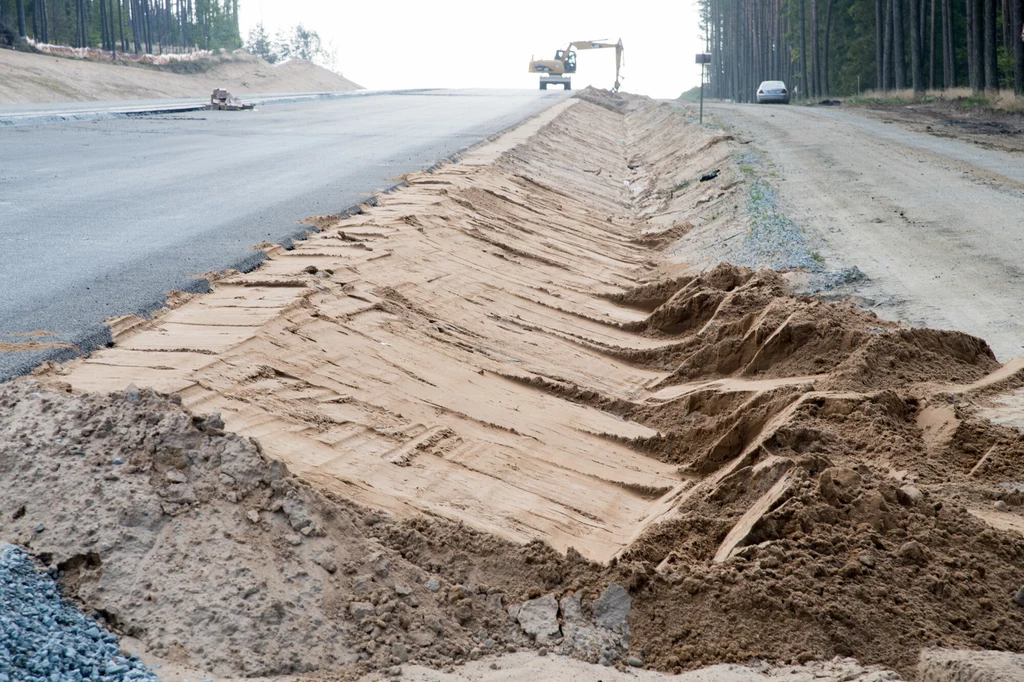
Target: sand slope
34	78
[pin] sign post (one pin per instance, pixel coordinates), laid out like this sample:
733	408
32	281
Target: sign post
702	59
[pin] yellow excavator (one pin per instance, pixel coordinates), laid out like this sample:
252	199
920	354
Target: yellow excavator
553	71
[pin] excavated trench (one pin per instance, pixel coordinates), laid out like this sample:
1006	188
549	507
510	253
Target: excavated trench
505	344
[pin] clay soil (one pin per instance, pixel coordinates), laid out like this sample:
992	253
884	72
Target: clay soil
494	386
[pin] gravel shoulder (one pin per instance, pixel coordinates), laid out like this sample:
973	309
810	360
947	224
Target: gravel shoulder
934	222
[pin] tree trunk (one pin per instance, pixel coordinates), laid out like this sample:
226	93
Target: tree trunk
931	52
916	67
804	85
976	41
1016	20
828	35
991	62
879	45
887	47
815	90
120	25
897	44
22	27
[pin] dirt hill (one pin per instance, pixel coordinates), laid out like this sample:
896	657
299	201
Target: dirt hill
31	78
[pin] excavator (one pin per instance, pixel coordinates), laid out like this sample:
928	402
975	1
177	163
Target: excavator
554	70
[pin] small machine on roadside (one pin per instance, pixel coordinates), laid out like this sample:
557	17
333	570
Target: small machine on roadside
221	100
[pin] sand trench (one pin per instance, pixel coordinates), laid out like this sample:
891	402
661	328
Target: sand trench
504	344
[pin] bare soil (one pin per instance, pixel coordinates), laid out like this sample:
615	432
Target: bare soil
933	222
35	78
494	388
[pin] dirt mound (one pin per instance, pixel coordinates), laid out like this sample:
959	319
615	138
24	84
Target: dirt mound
36	78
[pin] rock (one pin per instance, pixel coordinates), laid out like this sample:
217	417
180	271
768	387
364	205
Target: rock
402	590
634	662
432	584
399	652
361	609
1019	597
362	584
909	495
539	618
306	530
612	608
253	515
572	610
175	476
913	552
1000	505
293	539
38	528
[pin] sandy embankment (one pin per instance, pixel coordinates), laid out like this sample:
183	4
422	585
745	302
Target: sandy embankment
574	443
34	78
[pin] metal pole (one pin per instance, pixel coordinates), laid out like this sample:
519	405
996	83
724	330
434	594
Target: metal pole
702	94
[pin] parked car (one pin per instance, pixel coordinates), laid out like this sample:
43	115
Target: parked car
773	91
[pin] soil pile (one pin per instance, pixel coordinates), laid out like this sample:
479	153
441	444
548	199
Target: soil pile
35	78
576	444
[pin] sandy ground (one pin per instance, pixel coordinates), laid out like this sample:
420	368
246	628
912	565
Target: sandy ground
575	444
934	222
34	78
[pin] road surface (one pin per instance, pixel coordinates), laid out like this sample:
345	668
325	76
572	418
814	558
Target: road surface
937	224
104	217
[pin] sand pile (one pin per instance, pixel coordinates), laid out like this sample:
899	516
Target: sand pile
512	422
35	78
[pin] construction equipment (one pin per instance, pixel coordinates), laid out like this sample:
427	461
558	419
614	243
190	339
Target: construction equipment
221	100
554	70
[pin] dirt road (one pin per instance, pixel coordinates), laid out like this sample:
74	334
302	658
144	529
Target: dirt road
937	224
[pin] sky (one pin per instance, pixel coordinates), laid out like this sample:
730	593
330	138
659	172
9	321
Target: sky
489	44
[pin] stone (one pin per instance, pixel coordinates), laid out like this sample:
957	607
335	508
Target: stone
913	552
293	539
572	609
361	609
362	584
403	590
1019	597
1000	505
634	662
539	618
612	608
432	584
253	515
398	651
39	528
909	495
175	476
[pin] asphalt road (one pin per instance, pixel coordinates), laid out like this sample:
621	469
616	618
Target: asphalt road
104	217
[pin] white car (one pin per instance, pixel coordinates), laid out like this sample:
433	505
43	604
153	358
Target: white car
772	91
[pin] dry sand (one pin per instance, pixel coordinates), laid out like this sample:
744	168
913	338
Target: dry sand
576	445
35	78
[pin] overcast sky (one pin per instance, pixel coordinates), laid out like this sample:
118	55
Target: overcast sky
487	43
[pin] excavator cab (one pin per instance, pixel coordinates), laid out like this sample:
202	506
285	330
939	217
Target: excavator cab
568	58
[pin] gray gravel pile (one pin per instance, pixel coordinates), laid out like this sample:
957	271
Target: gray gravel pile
43	638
